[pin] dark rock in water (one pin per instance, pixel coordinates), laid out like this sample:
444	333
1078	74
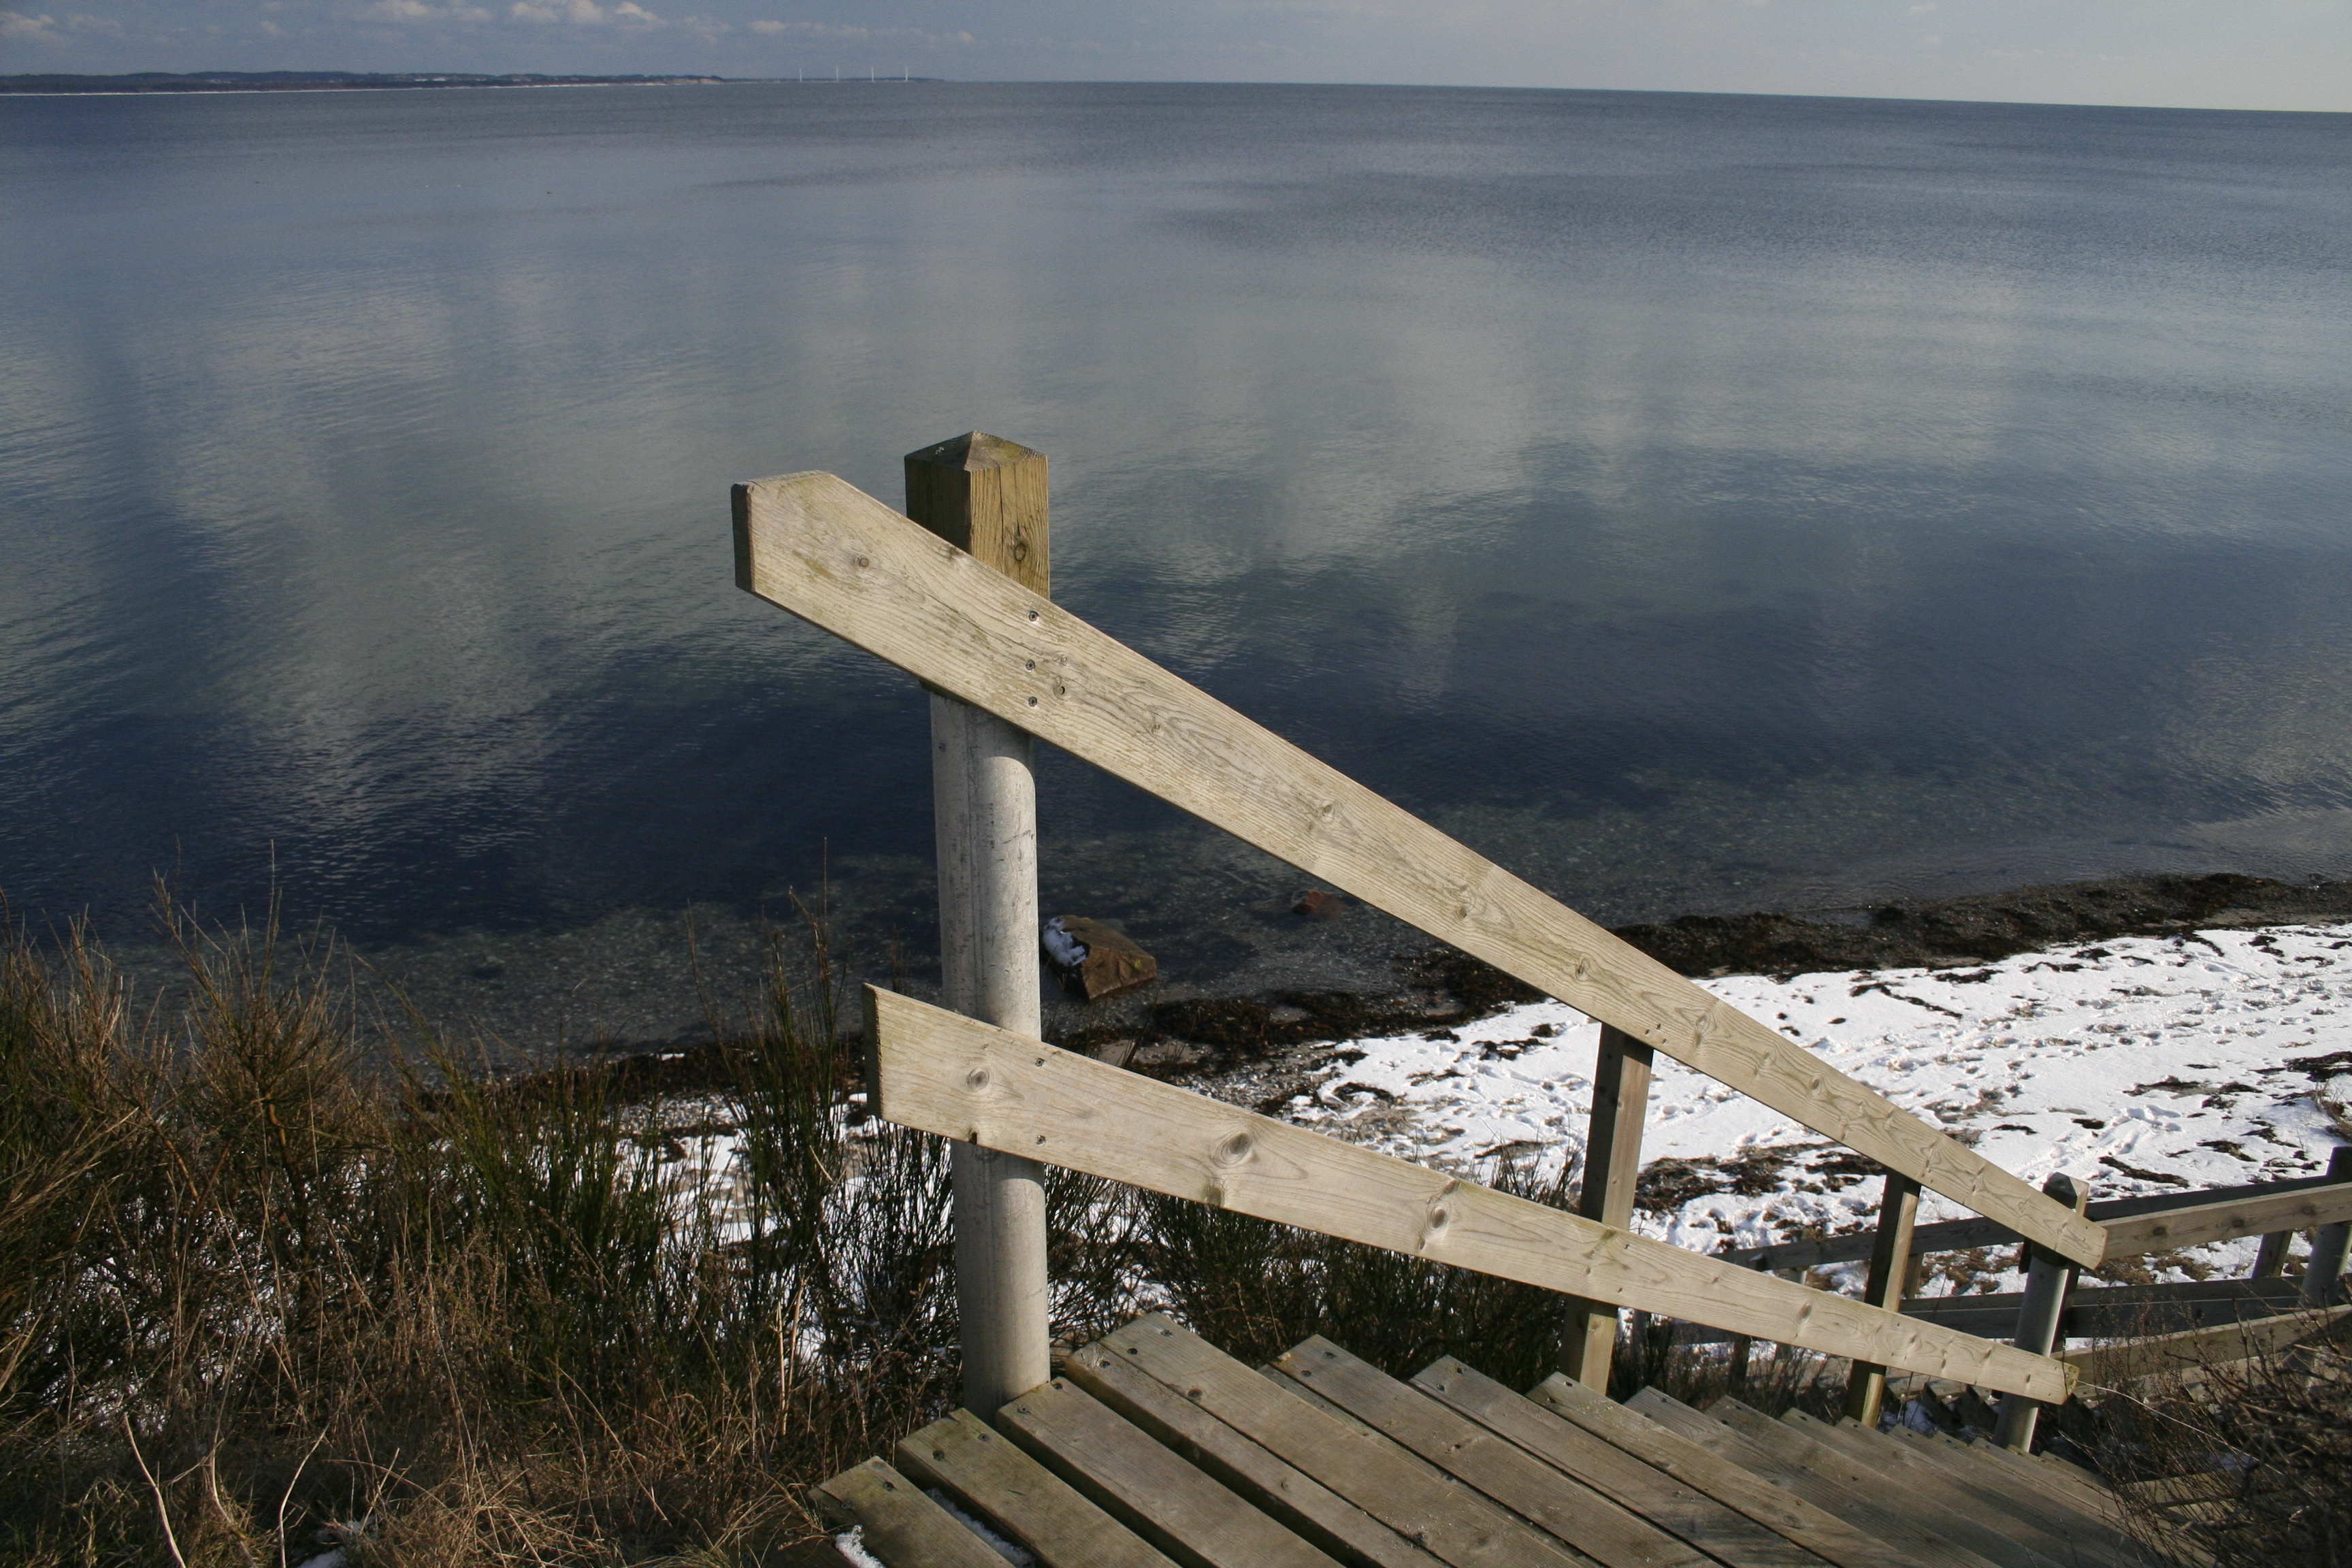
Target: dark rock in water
1317	905
1095	961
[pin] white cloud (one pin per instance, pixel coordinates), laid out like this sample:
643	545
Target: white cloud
852	33
585	13
421	11
16	27
105	27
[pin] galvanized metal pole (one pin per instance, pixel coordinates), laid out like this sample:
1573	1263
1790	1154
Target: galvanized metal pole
987	496
2323	1274
2048	1278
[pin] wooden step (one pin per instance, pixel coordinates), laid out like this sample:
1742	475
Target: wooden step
1182	1510
1743	1491
1449	1521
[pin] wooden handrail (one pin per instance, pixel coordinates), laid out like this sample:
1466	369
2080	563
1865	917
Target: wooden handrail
940	1072
819	547
1957	1234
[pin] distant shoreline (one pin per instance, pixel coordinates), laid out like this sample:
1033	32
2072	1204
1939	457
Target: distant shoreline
140	84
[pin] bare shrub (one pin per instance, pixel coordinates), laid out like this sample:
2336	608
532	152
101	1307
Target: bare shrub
2250	1461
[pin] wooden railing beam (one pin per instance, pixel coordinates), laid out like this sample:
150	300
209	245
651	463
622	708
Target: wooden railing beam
820	548
940	1072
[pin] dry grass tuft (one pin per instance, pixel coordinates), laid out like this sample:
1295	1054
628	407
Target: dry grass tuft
253	1295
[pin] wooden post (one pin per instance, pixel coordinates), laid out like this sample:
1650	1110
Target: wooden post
1612	1163
987	497
2048	1278
1890	1271
2323	1276
2269	1258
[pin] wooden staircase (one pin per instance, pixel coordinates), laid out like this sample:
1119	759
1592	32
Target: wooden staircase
1157	1448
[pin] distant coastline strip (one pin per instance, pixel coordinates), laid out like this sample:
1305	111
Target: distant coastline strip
332	81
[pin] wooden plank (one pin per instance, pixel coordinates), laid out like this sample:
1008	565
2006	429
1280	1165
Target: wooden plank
2018	1514
989	1475
1671	1454
1890	1270
1868	1511
818	547
1670	1504
2072	1511
1146	1487
1930	1508
1956	1235
2114	1311
2105	1366
1309	1509
1613	1169
901	1526
2117	1310
942	1073
1559	1504
2228	1219
1448	1521
2074	1488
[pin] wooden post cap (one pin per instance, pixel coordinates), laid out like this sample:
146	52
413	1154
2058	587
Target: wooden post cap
986	496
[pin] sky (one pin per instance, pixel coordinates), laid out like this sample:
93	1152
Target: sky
2213	53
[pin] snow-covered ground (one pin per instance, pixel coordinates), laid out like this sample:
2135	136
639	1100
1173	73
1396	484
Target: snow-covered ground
2143	1064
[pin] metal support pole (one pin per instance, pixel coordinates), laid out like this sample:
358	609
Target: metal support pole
1612	1163
1890	1270
2048	1278
988	497
2323	1276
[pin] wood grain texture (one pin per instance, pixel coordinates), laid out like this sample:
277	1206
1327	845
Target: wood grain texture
2012	1510
1449	1521
987	497
1882	1519
1680	1510
1147	1488
943	1073
2087	1497
1750	1495
1311	1509
990	1476
1930	1510
819	547
902	1527
2065	1517
1558	1504
2231	1218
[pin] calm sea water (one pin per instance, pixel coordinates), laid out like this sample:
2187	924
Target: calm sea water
1693	502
